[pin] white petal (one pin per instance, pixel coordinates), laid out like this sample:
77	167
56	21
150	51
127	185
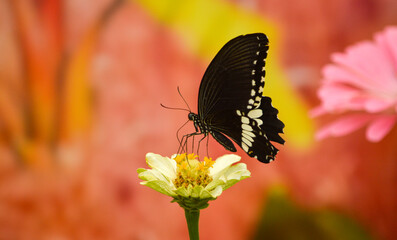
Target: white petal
184	192
235	174
153	174
146	174
223	163
160	186
230	176
216	192
206	194
215	183
162	164
196	191
236	171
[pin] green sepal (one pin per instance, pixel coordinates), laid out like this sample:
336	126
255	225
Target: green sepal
192	204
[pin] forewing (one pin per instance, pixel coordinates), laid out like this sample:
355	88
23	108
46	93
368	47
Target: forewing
235	77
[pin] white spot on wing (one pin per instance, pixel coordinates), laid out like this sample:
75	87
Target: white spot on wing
248	143
246	127
260	89
260	122
245	120
244	146
249	133
256	113
245	136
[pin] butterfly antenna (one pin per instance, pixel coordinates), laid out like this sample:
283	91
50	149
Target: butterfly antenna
174	108
180	94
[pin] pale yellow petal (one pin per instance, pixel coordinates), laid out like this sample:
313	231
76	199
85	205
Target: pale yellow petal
216	192
162	164
184	192
160	186
222	163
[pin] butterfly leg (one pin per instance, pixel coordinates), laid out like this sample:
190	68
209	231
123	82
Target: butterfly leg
193	143
177	132
184	141
208	139
198	147
182	144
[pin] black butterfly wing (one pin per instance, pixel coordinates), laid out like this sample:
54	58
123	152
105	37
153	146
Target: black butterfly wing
235	76
230	98
252	130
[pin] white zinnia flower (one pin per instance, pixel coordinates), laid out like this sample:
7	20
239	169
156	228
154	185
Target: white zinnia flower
192	183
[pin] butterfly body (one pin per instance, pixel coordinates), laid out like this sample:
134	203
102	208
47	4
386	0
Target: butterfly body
203	128
231	101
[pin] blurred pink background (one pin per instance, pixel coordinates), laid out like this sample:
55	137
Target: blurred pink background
81	87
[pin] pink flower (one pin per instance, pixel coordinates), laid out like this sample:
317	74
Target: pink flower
362	84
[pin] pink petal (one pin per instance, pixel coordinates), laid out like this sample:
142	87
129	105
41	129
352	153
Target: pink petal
334	94
344	125
338	97
369	62
380	127
377	105
323	132
336	74
317	111
387	41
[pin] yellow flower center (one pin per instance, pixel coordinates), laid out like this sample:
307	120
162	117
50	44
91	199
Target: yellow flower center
191	171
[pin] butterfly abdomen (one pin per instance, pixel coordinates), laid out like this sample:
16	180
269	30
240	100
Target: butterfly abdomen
223	140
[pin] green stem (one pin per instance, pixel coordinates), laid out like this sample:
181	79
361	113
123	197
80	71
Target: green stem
192	219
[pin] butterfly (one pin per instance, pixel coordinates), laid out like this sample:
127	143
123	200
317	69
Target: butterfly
231	102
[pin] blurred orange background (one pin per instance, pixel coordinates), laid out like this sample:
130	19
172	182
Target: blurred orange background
81	87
